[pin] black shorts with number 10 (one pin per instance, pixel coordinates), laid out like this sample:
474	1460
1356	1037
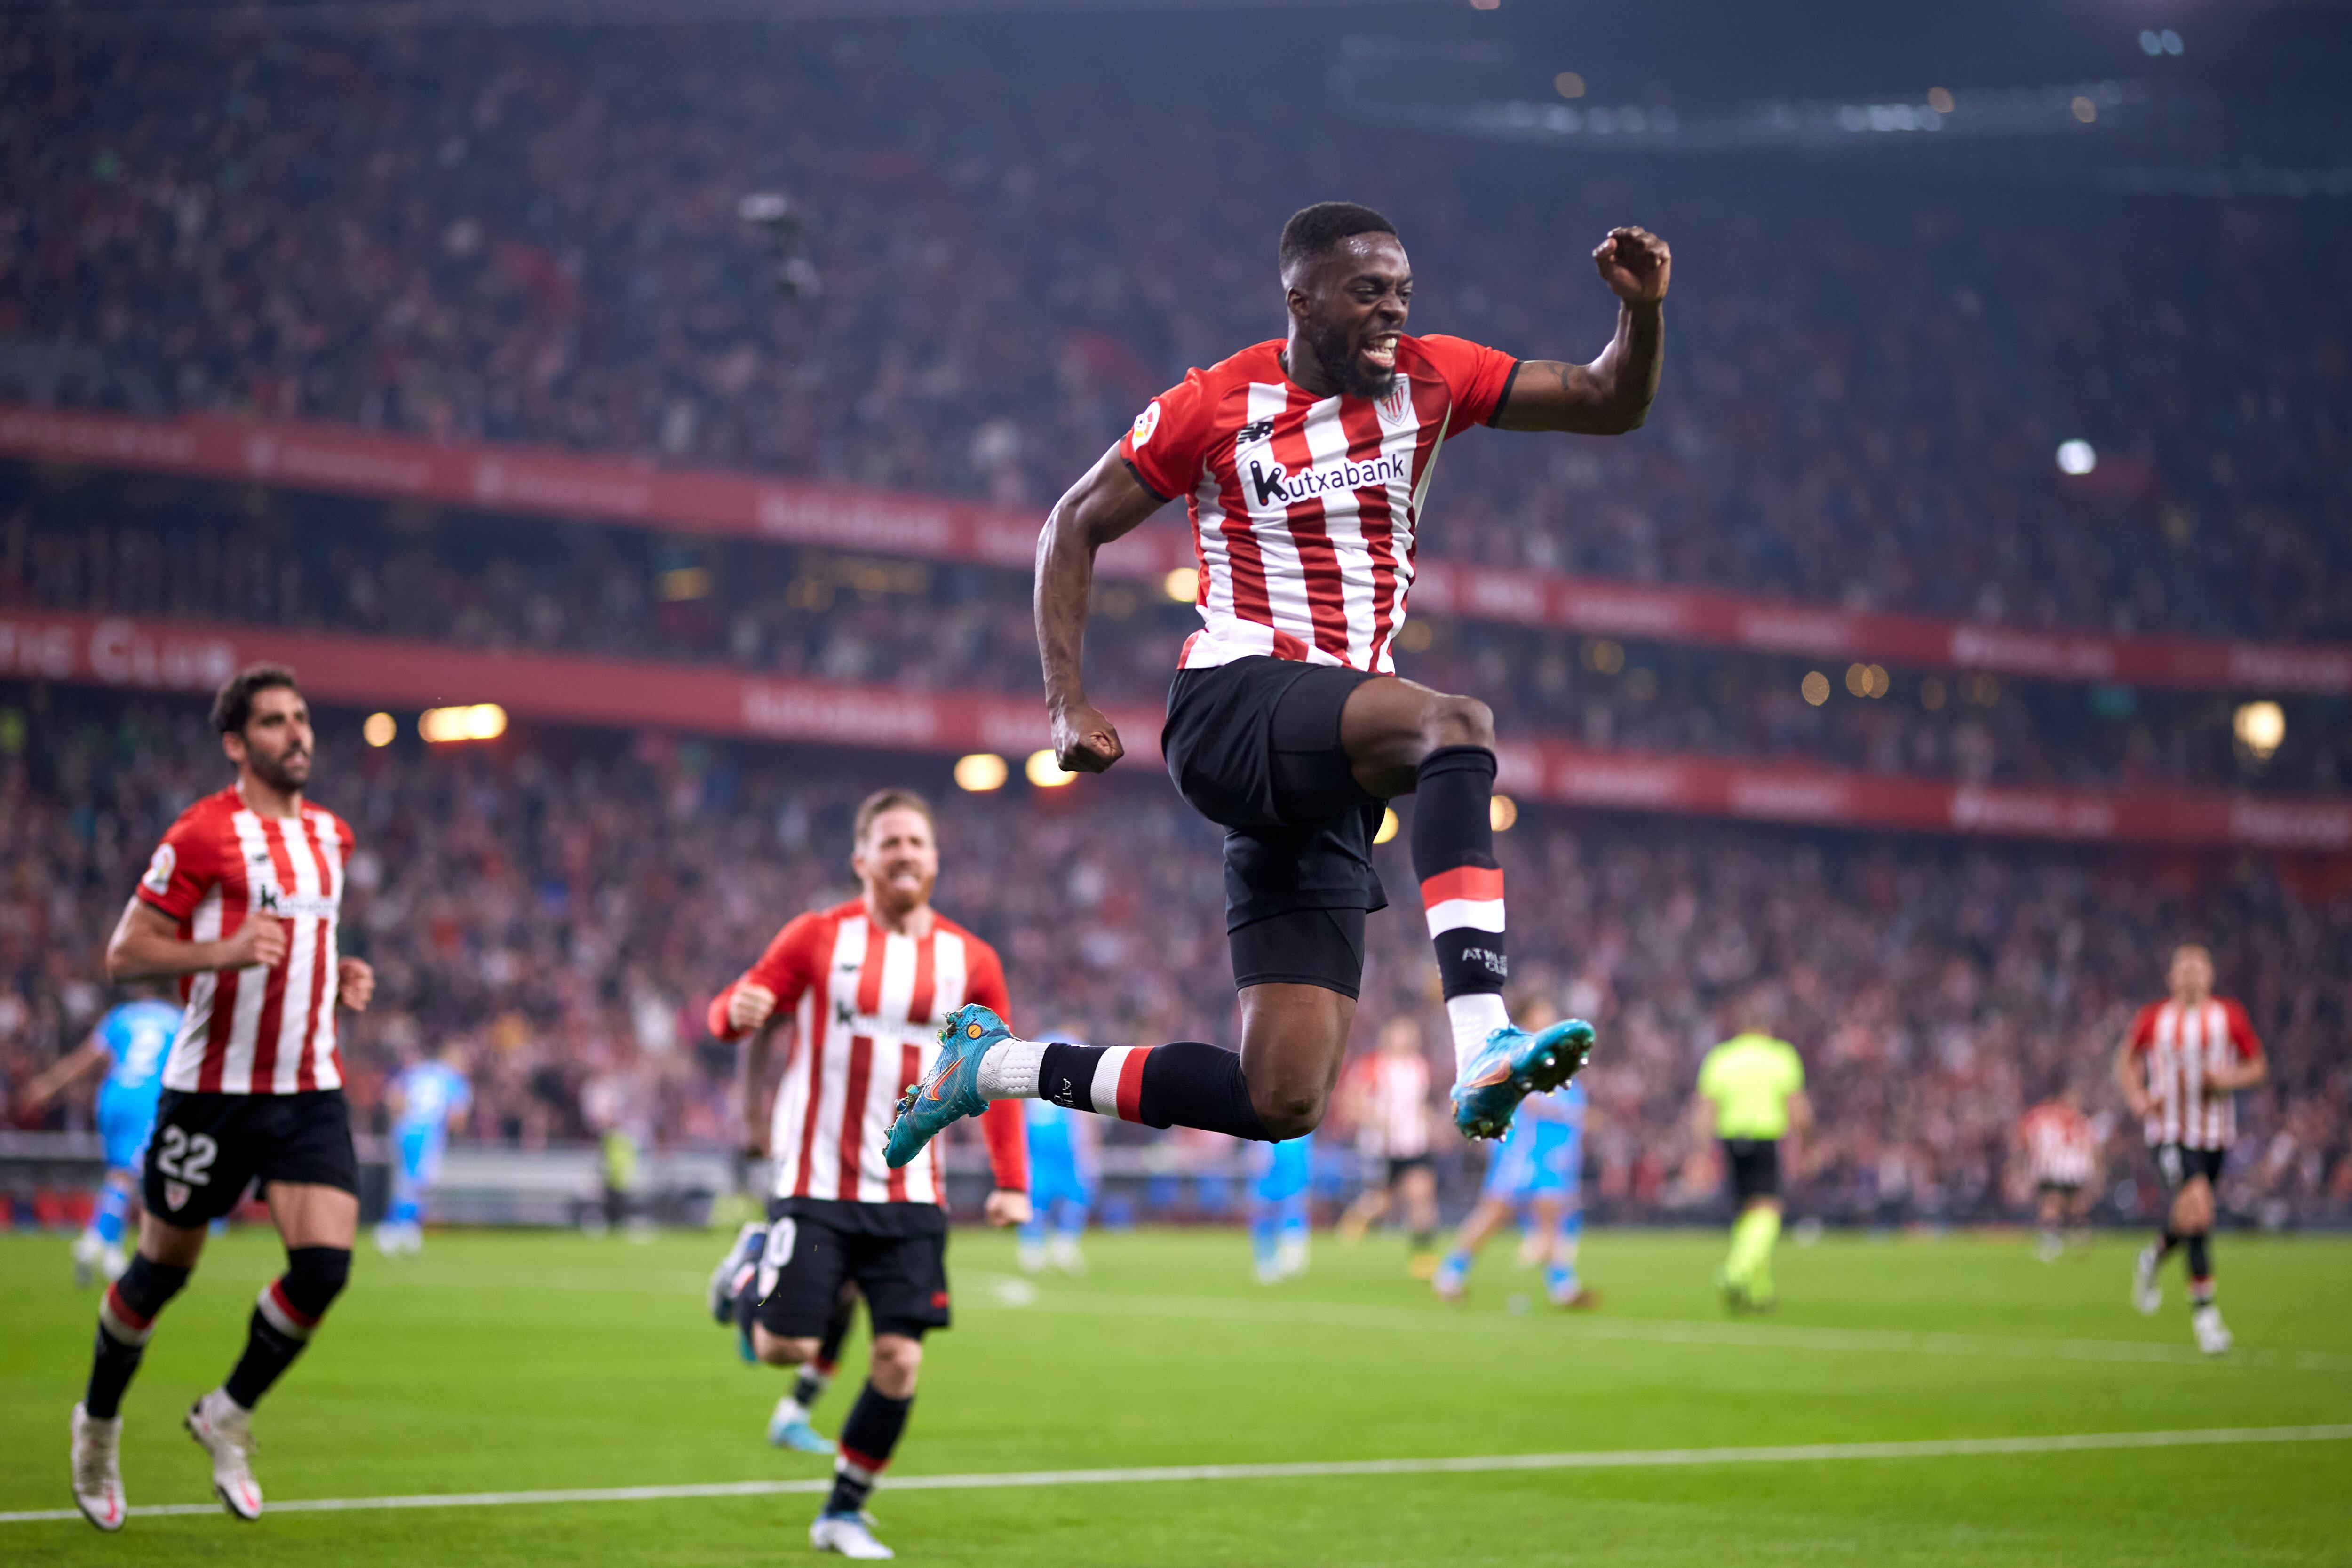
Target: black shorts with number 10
206	1148
897	1253
1253	745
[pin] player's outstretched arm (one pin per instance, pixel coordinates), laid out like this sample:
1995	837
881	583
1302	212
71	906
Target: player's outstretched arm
1611	395
1109	502
88	1058
146	945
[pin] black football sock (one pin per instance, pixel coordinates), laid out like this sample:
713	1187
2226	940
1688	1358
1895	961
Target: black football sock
285	1316
1462	889
1187	1083
867	1439
2201	1270
126	1316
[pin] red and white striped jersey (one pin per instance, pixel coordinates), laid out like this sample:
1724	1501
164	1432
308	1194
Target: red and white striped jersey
1306	510
257	1030
1396	1107
2182	1047
2059	1146
867	1007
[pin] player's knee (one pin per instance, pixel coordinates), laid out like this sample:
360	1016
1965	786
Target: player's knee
897	1360
775	1350
1290	1114
314	1277
1457	721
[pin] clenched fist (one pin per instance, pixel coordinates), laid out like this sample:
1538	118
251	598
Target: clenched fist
1635	265
750	1007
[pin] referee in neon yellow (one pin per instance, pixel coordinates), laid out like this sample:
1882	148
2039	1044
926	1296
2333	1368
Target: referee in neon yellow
1751	1094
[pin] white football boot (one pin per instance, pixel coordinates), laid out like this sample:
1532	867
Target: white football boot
87	1249
225	1427
98	1469
2146	1294
851	1534
1066	1256
2212	1334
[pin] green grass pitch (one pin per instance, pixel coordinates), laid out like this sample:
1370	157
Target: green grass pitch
524	1361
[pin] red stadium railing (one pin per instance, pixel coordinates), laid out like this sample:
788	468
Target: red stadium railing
538	480
170	656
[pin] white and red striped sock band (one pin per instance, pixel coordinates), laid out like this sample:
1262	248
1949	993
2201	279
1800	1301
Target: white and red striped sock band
281	1313
122	1325
1118	1087
1466	897
862	1469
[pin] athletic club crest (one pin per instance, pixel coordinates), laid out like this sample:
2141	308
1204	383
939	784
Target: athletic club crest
176	1195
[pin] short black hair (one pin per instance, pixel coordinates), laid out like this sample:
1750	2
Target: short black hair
233	703
1312	231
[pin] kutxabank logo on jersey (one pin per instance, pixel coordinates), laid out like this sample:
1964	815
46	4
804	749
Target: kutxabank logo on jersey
1271	481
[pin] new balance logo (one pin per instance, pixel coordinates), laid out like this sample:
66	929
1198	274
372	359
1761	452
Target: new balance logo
1256	430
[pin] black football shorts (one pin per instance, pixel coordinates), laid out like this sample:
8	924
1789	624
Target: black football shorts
206	1148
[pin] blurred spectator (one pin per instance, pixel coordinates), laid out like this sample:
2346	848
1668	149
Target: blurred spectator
531	235
563	899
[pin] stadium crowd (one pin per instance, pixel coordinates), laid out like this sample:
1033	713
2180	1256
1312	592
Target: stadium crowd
526	235
144	548
565	904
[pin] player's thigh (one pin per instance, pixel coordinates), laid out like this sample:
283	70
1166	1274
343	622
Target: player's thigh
801	1276
2192	1205
1390	724
203	1153
309	1170
310	1214
904	1279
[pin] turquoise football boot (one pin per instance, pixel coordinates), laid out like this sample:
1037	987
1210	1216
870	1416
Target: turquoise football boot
951	1090
789	1428
1512	1064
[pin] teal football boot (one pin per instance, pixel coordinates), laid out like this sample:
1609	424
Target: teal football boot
1512	1064
951	1090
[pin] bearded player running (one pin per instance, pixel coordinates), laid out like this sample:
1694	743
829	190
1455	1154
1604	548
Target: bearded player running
1304	463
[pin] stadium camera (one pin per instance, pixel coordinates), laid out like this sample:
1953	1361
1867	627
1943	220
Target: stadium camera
778	217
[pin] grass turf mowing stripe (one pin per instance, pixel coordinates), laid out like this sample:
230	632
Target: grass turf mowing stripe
1602	1459
1007	1291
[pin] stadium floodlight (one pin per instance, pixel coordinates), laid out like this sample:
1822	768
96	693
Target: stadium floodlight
1182	584
2260	728
1389	827
981	773
1046	772
476	721
2076	458
379	730
1502	811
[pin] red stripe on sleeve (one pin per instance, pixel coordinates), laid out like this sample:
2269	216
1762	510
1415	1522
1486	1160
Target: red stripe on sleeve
1477	883
1130	1085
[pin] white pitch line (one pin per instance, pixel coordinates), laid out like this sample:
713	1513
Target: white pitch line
1593	1459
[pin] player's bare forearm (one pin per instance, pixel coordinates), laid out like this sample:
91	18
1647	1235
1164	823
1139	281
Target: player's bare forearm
147	946
2251	1073
1613	394
754	1081
1107	503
